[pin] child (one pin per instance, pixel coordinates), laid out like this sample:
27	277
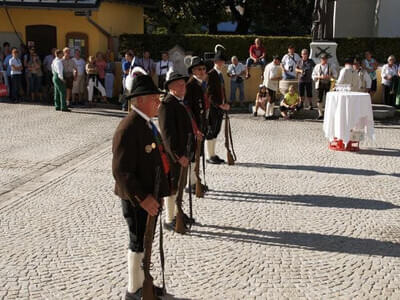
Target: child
93	81
290	103
261	99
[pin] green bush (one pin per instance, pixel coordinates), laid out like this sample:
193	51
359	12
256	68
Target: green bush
238	45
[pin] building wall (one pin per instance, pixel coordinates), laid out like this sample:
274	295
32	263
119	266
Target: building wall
113	17
354	18
389	21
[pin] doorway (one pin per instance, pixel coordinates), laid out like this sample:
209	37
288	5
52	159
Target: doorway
43	37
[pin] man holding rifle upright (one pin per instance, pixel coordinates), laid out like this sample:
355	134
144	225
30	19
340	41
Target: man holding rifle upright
177	131
141	171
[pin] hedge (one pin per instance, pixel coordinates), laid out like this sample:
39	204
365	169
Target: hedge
238	45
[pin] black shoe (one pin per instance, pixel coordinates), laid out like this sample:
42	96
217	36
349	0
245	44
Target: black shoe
219	159
66	110
320	117
254	114
267	118
134	296
188	220
213	160
204	188
193	189
57	108
170	226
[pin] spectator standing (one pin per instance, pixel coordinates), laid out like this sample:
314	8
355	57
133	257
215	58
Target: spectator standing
349	76
36	76
162	68
6	50
57	68
70	73
47	72
7	68
126	66
109	77
78	86
364	76
93	80
257	56
261	99
389	78
289	63
290	103
101	67
305	68
272	75
371	65
28	58
322	75
147	63
16	75
236	71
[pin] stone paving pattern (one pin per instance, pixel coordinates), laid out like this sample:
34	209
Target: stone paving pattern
291	220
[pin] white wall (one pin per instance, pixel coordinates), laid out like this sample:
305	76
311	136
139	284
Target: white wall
389	20
354	18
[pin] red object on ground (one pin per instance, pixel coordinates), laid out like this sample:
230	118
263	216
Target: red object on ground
338	145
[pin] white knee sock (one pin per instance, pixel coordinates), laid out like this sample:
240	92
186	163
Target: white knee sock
320	112
135	271
271	109
192	174
268	109
170	208
211	147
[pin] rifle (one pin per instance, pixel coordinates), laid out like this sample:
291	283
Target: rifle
148	291
199	187
231	155
180	226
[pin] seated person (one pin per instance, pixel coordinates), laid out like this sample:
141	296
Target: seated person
257	56
261	99
290	103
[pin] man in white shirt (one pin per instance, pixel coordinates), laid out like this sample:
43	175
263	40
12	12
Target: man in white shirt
236	71
78	86
16	74
365	78
272	75
57	68
162	68
389	76
349	76
147	63
289	63
322	75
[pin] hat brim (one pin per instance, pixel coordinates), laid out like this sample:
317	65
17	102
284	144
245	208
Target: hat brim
186	78
200	63
145	93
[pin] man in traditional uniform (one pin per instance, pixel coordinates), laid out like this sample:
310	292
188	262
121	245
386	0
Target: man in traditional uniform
138	152
176	129
197	100
217	97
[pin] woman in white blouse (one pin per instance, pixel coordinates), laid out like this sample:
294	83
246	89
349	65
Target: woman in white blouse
389	78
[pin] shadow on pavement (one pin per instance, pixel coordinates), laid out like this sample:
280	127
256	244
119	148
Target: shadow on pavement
305	200
99	112
320	169
380	152
309	241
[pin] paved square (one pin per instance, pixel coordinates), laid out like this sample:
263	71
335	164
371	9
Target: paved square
291	220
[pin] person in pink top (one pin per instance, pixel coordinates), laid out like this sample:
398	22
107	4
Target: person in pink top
101	65
257	56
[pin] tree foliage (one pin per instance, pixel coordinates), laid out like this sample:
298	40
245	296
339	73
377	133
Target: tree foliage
267	17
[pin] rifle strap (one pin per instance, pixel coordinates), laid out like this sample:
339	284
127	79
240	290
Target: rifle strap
162	257
190	195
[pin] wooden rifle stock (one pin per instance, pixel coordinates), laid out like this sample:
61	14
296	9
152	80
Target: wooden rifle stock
180	226
199	187
148	291
228	141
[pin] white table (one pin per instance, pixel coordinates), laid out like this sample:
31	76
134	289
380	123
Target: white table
347	111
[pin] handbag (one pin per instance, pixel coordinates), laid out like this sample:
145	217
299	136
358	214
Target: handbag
3	90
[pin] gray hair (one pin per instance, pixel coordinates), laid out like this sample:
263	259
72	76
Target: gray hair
391	57
234	57
304	50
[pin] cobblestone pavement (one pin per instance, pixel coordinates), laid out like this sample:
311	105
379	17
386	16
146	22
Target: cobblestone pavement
291	220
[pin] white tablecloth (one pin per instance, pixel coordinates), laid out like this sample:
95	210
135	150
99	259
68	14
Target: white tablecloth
347	111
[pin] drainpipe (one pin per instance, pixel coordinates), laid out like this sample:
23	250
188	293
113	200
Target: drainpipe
103	31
